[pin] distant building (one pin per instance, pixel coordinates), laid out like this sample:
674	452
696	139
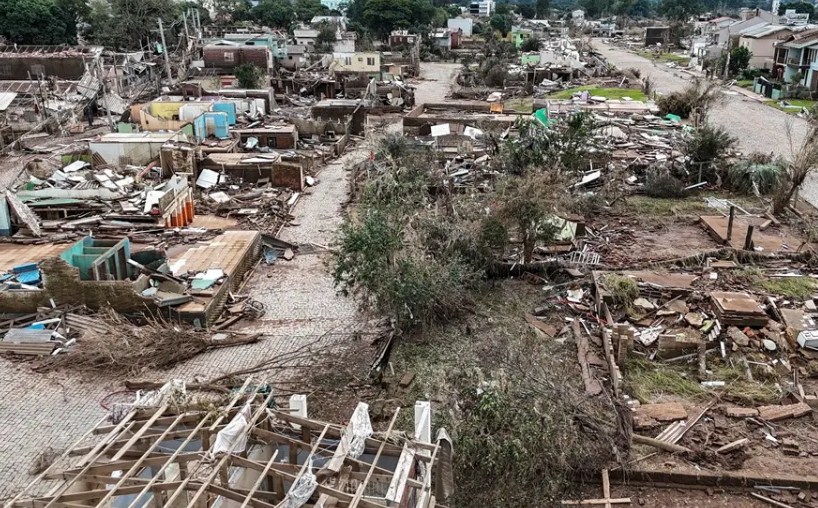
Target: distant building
339	21
465	25
227	56
793	18
333	5
446	38
360	63
402	38
482	8
656	35
761	41
305	36
798	54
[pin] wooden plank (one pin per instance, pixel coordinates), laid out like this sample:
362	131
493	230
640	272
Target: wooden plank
592	385
184	443
260	479
362	486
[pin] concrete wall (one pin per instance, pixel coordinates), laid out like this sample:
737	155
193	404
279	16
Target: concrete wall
139	153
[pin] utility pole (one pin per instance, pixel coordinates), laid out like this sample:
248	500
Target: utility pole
727	62
165	51
106	104
187	34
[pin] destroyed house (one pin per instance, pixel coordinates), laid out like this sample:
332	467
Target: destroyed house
226	56
64	62
192	286
270	136
656	35
138	148
255	449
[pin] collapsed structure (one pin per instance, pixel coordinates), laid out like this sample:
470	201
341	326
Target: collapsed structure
162	449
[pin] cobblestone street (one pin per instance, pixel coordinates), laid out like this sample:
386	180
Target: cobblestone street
40	411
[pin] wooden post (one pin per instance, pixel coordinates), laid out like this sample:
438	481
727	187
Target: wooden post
730	223
748	241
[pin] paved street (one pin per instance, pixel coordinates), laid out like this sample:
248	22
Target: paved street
40	411
759	128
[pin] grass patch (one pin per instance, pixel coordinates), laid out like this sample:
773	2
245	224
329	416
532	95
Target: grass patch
666	207
797	105
682	60
740	390
745	83
623	289
646	381
608	93
792	287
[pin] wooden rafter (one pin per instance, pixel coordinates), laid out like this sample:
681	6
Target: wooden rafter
136	444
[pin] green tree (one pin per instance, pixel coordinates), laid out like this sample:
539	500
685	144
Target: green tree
800	8
739	59
530	44
248	75
526	10
305	10
204	14
327	35
542	8
453	10
595	8
380	17
274	13
502	8
39	21
501	23
680	10
126	25
229	11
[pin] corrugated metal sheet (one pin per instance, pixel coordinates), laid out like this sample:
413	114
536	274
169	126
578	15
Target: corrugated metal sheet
5	99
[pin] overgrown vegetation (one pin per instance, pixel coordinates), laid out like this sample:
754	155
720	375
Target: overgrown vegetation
664	186
646	381
699	97
248	75
623	289
706	150
416	250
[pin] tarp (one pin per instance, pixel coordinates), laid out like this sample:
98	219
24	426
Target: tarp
541	115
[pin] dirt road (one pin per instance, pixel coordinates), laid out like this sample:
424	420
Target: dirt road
759	128
435	83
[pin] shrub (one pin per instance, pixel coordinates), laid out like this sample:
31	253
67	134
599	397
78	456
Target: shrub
758	178
530	44
706	149
698	96
248	75
528	435
623	290
664	186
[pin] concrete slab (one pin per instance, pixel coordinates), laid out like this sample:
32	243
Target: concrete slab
770	240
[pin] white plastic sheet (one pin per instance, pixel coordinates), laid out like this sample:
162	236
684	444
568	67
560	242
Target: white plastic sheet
233	438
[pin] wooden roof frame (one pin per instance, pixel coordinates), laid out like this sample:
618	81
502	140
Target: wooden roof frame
133	444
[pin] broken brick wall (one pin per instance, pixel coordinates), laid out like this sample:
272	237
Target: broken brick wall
62	283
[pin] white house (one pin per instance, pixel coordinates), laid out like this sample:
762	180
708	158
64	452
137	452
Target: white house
466	25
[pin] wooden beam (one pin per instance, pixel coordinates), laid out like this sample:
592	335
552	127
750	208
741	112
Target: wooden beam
137	466
260	479
217	468
304	466
110	467
362	486
90	495
62	457
181	447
